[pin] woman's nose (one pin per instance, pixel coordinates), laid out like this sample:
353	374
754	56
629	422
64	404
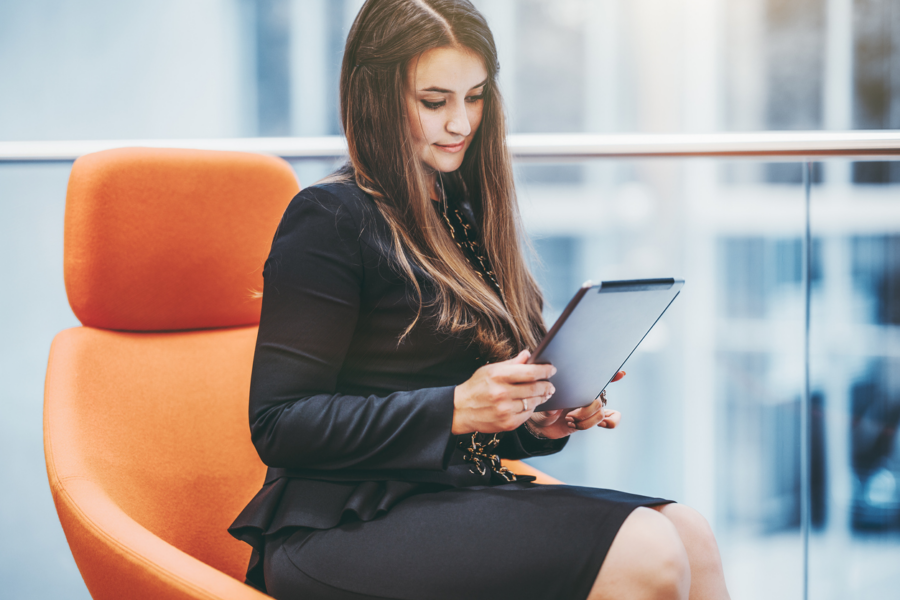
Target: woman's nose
458	123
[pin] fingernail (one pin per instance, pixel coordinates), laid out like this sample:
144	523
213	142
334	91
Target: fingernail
572	424
601	424
553	372
552	390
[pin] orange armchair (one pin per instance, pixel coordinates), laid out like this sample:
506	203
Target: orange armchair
145	412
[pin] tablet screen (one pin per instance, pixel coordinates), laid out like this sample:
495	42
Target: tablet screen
599	329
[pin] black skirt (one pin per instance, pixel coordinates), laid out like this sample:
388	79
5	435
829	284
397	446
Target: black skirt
520	540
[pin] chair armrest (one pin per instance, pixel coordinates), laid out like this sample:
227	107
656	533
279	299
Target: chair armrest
118	558
520	468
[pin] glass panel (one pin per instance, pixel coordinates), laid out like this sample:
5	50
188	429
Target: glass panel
855	369
711	403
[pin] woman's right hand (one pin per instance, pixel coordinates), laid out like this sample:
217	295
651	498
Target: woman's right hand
501	396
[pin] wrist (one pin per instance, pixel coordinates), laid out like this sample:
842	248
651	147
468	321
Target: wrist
458	426
534	430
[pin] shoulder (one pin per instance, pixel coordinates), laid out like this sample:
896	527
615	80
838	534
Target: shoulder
322	219
339	198
351	210
338	216
329	209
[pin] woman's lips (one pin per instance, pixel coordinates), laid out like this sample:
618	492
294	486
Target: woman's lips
452	148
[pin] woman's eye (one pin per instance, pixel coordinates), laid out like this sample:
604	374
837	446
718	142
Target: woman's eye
433	105
473	99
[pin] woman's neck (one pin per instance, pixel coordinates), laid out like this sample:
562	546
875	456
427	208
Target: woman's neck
434	190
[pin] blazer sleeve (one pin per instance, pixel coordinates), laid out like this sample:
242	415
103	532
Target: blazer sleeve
311	302
521	443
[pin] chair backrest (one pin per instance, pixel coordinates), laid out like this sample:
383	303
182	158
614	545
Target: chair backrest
146	405
164	239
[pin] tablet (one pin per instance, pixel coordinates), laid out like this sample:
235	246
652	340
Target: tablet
598	331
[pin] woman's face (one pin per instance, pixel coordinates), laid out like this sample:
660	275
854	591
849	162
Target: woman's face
444	101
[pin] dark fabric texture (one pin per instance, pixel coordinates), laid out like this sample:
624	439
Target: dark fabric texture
349	420
519	541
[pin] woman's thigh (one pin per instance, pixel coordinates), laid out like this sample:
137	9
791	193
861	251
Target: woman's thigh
515	541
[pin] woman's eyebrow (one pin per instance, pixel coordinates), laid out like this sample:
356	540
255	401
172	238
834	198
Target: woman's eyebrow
443	91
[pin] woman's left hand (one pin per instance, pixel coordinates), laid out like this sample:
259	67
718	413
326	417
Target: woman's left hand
556	424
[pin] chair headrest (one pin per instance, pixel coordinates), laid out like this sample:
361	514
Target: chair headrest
167	239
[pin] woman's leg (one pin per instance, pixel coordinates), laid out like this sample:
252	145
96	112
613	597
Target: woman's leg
707	577
647	560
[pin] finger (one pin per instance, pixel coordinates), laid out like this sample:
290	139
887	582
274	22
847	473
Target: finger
579	414
516	408
520	408
611	420
519	359
538	390
534	402
618	376
594	419
585	417
522	373
543	419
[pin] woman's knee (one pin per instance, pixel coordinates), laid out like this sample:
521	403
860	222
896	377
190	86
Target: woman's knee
692	527
646	559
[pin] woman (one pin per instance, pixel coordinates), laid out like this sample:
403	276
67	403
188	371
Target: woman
383	390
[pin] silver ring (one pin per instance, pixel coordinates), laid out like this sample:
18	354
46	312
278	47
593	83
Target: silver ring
524	404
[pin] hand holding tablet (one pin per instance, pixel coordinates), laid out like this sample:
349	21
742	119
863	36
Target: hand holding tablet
597	332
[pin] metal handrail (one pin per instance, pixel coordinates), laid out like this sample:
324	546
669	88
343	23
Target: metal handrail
796	145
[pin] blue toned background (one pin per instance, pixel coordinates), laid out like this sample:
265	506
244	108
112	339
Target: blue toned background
711	402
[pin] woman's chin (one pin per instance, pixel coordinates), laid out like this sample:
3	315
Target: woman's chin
446	166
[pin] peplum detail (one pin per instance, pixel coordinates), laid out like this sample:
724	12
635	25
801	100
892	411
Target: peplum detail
295	498
290	503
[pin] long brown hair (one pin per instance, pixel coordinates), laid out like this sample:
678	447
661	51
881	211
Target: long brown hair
386	36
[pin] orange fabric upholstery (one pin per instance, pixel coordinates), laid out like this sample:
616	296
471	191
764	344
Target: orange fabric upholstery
171	239
145	432
149	458
517	466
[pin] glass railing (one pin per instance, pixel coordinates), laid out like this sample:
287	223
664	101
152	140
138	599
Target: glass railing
768	397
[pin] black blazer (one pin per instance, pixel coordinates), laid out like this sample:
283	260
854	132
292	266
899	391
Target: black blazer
347	417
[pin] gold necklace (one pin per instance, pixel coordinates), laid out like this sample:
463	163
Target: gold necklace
478	453
474	248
